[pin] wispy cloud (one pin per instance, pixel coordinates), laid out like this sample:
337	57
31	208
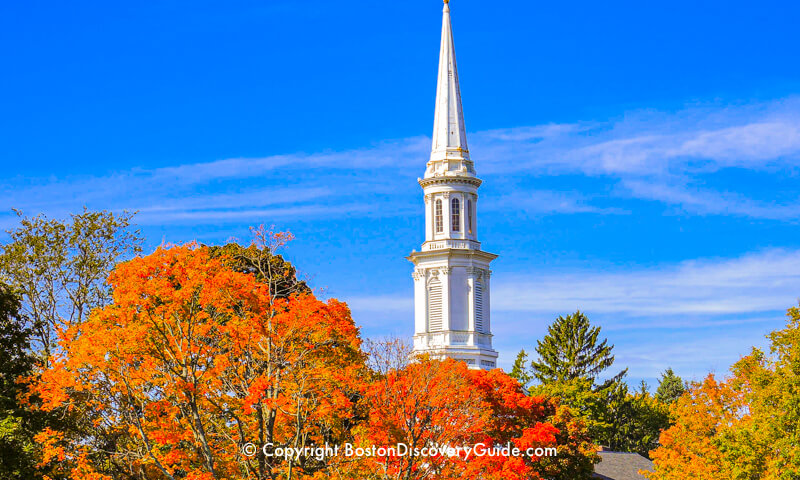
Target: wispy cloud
708	202
546	202
690	294
655	156
756	135
757	282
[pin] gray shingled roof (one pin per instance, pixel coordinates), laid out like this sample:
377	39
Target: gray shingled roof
621	466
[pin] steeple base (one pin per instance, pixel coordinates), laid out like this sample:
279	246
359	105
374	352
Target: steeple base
472	348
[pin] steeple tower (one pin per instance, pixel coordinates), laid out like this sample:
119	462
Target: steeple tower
451	274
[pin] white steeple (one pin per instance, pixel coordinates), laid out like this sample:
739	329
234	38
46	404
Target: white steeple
451	274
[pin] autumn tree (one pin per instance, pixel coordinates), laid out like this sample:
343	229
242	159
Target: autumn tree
528	422
192	361
427	403
430	403
60	268
744	427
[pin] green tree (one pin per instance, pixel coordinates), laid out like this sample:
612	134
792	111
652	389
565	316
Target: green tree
17	450
519	370
634	420
261	259
670	388
60	268
571	358
614	416
570	350
584	401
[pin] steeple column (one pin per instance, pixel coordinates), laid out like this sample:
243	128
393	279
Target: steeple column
447	310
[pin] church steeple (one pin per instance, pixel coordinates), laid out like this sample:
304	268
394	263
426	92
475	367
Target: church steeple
451	272
449	153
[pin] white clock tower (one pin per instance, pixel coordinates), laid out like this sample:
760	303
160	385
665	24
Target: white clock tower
451	274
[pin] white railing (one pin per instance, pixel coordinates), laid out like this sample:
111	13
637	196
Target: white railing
426	341
457	244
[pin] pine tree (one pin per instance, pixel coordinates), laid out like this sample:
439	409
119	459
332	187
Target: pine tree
670	388
519	370
570	350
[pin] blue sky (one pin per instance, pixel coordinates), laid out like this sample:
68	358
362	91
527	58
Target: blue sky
640	160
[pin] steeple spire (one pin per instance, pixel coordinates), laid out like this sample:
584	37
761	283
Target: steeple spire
449	154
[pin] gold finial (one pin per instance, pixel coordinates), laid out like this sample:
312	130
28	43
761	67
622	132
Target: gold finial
446	2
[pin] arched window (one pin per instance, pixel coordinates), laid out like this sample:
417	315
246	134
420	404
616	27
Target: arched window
437	215
455	214
469	217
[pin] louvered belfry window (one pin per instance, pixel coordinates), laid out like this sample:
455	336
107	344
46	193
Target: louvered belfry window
435	306
479	307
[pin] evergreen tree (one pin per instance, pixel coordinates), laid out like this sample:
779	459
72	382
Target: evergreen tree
571	358
570	350
670	388
17	460
634	419
519	370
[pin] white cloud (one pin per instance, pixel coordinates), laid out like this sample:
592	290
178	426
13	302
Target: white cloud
757	282
648	154
537	202
704	202
382	303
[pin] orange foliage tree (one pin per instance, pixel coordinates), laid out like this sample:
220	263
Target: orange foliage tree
206	354
443	404
744	427
192	361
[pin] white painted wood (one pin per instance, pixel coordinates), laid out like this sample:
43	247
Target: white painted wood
452	322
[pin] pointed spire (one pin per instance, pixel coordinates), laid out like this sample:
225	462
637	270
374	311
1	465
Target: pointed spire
449	154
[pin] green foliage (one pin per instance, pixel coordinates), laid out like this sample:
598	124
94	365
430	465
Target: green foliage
670	388
519	371
614	417
584	401
570	350
571	358
267	266
635	420
767	441
60	268
576	451
16	428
